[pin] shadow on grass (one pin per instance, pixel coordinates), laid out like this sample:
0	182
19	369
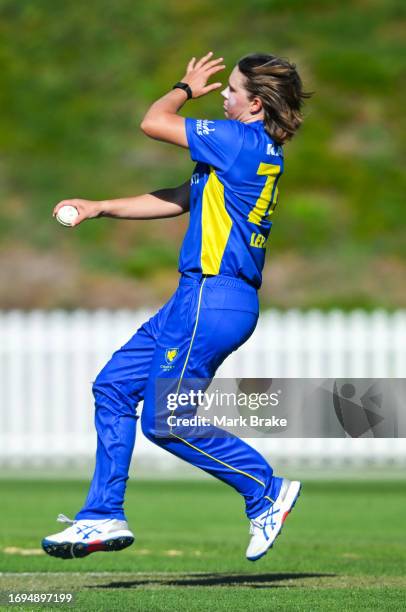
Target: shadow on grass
208	580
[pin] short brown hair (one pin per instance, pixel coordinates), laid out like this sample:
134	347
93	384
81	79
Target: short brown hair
278	85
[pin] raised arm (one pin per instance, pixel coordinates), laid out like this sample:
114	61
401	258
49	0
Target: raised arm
162	121
160	204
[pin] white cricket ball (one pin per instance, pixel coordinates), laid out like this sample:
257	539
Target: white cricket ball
66	215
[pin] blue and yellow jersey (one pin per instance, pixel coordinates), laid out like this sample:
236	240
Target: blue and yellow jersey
234	190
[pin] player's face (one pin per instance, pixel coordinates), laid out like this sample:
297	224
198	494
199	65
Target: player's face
236	103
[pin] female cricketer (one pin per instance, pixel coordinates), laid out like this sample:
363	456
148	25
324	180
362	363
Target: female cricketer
230	198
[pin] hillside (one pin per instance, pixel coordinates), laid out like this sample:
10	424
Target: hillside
75	83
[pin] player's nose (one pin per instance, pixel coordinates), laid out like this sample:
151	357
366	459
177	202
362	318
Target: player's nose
225	93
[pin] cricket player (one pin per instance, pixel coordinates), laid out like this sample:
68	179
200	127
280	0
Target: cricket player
230	199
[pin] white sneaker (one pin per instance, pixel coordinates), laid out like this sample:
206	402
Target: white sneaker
87	536
266	527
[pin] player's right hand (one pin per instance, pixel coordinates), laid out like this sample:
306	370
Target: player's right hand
87	209
198	73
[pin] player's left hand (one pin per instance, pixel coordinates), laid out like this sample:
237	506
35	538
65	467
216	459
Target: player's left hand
198	73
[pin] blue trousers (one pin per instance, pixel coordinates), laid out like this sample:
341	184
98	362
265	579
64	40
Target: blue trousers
206	319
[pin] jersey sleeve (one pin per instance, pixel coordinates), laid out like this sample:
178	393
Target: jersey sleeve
216	143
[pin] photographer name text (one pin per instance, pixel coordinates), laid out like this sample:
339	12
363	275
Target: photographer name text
251	420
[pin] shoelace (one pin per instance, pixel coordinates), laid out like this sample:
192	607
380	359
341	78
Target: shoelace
254	525
64	519
267	521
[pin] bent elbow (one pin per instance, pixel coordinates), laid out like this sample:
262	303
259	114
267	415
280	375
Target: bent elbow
149	127
144	125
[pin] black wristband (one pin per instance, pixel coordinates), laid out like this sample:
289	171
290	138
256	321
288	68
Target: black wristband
185	87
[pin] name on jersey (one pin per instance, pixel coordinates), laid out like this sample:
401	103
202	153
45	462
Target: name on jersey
274	150
258	241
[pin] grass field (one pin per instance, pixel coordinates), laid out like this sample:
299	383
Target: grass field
342	548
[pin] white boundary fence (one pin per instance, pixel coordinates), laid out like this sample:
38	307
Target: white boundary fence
49	359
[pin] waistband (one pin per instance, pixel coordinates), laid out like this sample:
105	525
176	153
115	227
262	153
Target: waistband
220	280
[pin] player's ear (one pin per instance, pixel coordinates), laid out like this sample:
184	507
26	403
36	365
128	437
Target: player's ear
256	105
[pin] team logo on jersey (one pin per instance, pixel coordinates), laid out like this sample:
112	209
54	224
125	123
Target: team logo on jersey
171	354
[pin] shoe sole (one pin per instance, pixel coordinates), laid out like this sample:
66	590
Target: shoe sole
69	550
284	517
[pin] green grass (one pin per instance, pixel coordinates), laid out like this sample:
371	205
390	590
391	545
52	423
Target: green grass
343	548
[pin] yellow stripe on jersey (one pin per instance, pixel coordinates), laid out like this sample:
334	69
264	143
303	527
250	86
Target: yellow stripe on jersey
216	225
271	171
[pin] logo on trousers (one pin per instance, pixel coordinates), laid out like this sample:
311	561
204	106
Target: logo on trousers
171	354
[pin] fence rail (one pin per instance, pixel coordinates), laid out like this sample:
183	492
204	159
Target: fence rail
49	359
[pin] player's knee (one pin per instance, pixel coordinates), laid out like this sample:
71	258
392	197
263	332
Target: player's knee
102	380
112	396
150	430
99	386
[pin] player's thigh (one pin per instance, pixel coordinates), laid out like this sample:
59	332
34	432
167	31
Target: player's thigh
128	369
217	334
